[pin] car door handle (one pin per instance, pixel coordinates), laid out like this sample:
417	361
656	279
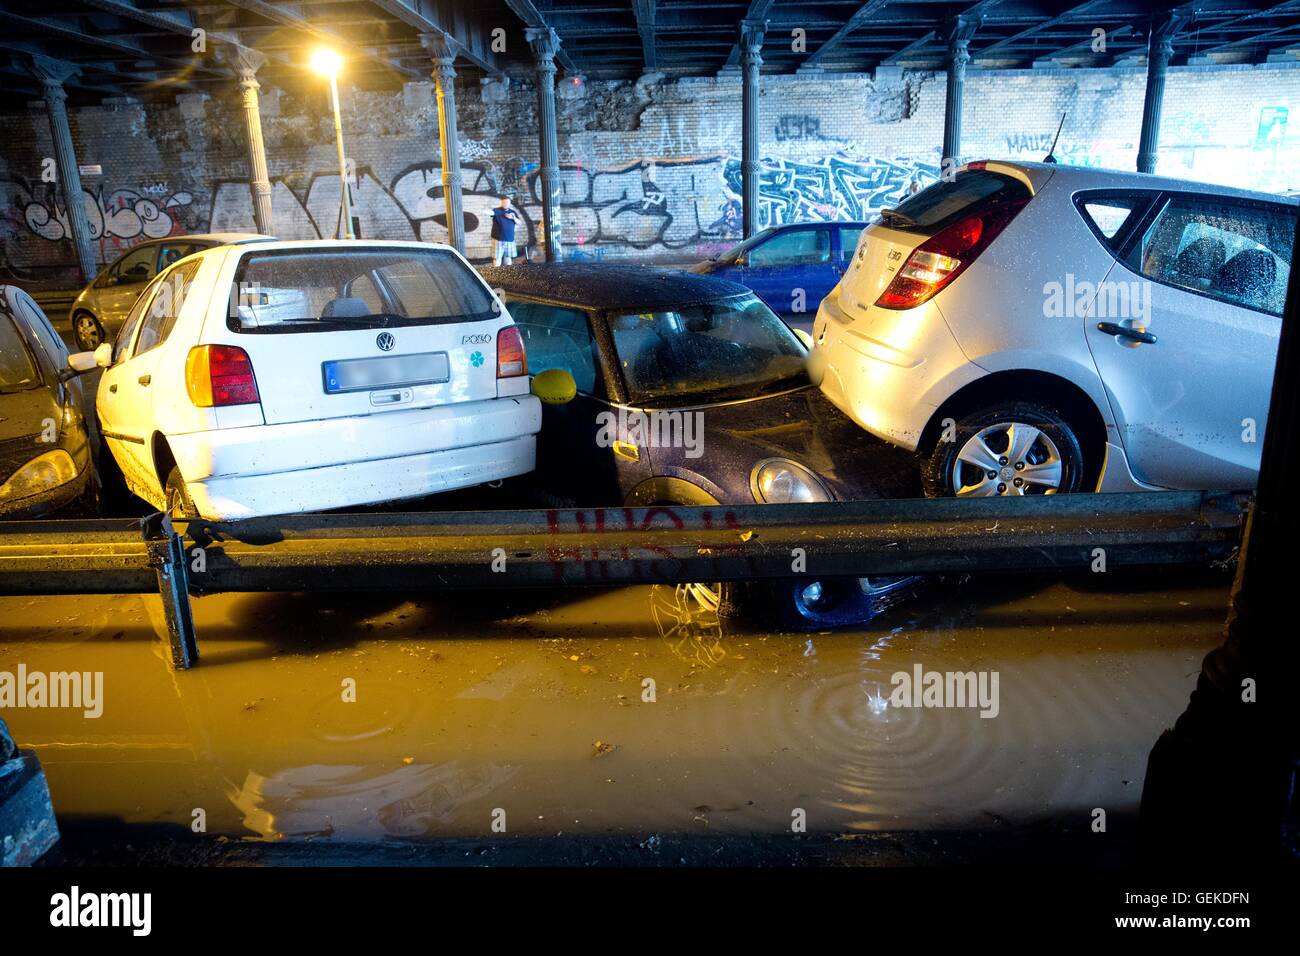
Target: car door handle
1137	335
145	379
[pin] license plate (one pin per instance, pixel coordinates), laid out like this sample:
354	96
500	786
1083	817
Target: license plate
364	375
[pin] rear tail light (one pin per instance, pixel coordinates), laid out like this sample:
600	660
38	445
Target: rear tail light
946	254
511	360
219	375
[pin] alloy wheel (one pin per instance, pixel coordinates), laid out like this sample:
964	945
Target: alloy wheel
1008	458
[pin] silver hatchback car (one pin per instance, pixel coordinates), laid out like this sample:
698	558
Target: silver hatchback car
1031	328
101	308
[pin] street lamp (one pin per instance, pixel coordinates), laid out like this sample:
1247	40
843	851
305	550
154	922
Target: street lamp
327	63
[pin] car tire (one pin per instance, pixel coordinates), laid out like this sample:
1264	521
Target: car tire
87	331
179	503
1048	448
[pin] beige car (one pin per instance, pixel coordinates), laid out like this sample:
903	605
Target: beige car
101	308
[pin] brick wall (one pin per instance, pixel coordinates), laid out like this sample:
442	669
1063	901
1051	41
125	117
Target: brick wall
648	169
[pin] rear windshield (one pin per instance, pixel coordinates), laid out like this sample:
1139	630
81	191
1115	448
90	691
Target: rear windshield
936	206
321	290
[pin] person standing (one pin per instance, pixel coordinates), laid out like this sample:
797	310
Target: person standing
504	220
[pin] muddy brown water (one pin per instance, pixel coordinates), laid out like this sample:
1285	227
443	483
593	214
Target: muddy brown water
533	710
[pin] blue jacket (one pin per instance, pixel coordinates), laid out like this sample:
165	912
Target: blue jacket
503	224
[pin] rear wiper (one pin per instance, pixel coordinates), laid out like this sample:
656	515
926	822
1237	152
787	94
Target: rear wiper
896	218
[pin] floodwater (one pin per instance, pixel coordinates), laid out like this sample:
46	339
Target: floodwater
627	712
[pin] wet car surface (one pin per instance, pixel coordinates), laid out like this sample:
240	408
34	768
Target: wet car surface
534	705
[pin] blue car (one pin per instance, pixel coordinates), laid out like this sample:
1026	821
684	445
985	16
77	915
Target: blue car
791	268
690	391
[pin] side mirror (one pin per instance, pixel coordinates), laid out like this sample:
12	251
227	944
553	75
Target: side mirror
79	363
805	338
555	386
82	362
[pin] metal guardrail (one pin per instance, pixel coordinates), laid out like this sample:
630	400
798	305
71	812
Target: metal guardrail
607	546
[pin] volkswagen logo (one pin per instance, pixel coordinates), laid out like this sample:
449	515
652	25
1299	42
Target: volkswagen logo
386	341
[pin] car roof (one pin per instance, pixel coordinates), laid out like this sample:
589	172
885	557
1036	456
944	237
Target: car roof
1096	177
606	285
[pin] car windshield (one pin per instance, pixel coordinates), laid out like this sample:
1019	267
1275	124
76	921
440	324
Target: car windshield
732	348
321	290
16	369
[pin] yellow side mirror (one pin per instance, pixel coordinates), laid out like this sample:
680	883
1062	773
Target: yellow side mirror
555	386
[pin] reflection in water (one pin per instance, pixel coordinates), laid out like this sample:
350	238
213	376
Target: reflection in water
362	802
457	712
692	631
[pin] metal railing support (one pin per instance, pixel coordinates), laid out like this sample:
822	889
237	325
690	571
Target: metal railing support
167	558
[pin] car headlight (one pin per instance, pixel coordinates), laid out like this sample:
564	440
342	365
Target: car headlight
779	481
42	473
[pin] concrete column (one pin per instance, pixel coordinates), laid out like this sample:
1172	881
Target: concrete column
1160	48
958	58
545	45
247	62
443	51
751	61
52	74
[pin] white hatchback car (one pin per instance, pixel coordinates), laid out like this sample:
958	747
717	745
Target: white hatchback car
1032	328
283	377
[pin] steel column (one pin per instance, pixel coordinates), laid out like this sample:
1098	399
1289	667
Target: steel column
1160	48
443	51
52	74
958	58
546	45
247	63
751	60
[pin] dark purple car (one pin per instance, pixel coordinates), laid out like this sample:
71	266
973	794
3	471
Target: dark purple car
690	391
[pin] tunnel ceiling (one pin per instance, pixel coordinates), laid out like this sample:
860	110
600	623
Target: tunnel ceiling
145	48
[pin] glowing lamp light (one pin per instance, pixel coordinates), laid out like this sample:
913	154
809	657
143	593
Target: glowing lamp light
326	62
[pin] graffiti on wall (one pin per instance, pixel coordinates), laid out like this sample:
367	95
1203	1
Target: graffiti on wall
34	219
838	187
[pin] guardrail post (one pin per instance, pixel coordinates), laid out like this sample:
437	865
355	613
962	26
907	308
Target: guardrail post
167	558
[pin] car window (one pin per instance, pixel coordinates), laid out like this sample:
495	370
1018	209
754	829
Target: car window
17	371
795	247
942	202
364	288
320	290
731	348
122	346
1108	215
37	323
161	315
849	236
137	266
557	338
169	252
1234	252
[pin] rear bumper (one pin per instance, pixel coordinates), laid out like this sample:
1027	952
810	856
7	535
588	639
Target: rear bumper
258	470
889	389
362	483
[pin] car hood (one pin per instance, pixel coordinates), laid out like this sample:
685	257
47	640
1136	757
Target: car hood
801	425
22	420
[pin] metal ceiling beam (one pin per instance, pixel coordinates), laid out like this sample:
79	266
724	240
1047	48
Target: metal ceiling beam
1065	17
533	19
288	16
852	25
911	48
758	10
645	25
426	17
